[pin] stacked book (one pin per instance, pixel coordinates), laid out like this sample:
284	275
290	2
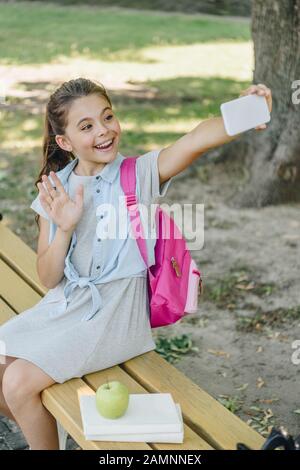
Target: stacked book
150	417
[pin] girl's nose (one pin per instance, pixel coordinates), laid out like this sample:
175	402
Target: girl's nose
102	130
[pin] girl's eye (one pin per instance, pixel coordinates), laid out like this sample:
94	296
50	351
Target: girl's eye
110	116
86	127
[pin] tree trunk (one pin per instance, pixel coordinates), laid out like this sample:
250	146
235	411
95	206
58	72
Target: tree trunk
273	155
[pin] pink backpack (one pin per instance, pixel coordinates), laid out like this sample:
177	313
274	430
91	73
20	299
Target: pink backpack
173	281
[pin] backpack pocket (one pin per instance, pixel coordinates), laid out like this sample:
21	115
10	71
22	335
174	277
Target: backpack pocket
194	282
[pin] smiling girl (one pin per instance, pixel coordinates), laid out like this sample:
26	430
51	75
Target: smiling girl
96	311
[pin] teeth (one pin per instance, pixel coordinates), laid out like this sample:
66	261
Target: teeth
104	145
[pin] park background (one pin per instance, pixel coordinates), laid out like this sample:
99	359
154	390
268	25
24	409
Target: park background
168	66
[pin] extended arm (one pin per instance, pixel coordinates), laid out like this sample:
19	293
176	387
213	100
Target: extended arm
205	136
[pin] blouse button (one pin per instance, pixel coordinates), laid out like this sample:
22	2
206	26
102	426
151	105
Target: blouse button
99	239
98	190
97	177
98	267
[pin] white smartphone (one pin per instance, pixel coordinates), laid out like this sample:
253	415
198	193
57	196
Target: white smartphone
244	113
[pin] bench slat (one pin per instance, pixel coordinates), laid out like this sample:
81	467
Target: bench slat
6	313
16	292
20	257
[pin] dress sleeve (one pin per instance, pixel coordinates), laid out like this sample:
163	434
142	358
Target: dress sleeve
37	207
148	177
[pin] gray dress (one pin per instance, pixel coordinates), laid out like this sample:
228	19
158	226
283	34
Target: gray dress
60	343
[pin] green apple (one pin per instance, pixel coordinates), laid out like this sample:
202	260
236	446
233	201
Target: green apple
112	399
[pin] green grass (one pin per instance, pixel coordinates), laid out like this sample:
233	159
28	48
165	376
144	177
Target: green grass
172	349
178	100
232	404
35	33
263	319
232	289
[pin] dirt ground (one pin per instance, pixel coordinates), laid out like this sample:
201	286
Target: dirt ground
249	314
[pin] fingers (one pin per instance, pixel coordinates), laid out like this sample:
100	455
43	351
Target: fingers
44	197
261	90
57	182
264	87
48	194
261	127
248	91
50	188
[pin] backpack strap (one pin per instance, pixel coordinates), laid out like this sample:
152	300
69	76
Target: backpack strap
128	184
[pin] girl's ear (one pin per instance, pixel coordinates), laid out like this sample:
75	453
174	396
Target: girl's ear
63	143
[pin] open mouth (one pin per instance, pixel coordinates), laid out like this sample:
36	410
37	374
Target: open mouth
105	148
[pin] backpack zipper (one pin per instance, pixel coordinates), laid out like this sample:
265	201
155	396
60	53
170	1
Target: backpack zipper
175	266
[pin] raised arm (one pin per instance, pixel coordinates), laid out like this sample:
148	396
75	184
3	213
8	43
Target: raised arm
207	135
65	213
50	261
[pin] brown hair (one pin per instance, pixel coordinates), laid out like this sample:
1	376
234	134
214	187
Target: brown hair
54	157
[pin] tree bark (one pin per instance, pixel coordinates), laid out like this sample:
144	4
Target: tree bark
272	156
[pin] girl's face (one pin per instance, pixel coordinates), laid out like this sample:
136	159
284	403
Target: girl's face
91	122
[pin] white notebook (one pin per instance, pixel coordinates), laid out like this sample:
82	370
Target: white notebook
146	413
168	437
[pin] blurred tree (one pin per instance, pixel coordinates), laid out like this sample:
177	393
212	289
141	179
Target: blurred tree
272	156
214	7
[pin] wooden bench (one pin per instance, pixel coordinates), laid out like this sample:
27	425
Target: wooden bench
207	423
